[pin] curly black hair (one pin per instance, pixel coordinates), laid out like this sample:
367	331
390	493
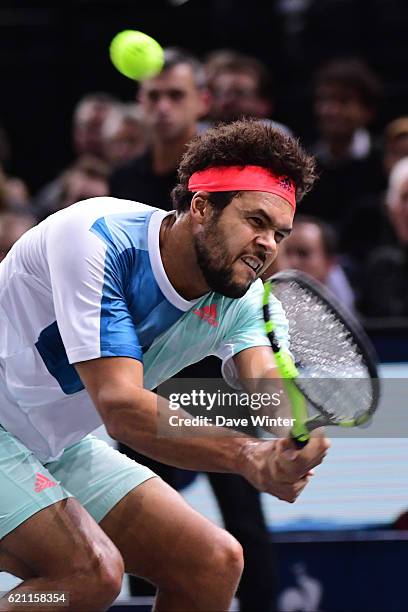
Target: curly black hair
247	142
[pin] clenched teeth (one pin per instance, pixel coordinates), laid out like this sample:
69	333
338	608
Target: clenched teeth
252	262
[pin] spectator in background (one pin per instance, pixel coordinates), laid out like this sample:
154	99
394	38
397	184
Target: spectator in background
13	190
124	134
395	143
240	86
13	224
346	98
385	291
86	178
312	248
172	104
88	119
370	211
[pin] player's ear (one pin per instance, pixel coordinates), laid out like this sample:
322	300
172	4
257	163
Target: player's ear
200	207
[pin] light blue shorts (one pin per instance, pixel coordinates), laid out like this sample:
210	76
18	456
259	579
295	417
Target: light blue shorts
93	472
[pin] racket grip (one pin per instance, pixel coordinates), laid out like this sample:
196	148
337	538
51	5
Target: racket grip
300	433
299	443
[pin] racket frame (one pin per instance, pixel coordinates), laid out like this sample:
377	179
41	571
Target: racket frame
287	368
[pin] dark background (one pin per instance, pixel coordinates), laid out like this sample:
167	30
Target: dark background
53	53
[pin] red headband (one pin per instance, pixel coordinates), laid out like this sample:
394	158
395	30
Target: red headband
243	178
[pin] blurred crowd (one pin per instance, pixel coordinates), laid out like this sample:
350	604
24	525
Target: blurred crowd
351	232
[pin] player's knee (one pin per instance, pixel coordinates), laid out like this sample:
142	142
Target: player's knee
109	581
111	572
217	567
229	557
111	575
104	575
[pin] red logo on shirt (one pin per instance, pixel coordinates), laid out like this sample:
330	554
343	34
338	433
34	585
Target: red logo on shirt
208	314
42	482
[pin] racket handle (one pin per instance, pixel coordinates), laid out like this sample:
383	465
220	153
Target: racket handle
299	443
300	433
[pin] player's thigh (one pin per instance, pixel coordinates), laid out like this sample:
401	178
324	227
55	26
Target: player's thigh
97	475
161	537
60	540
43	530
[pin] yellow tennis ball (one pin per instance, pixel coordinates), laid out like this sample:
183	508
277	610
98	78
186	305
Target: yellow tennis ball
136	55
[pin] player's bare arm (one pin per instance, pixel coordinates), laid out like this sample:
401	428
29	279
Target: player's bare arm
258	364
130	415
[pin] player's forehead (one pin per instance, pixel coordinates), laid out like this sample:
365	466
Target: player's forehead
269	204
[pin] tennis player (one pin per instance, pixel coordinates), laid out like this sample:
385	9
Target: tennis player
100	303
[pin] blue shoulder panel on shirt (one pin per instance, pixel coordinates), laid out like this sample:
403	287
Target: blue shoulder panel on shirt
118	335
134	310
150	311
124	230
52	351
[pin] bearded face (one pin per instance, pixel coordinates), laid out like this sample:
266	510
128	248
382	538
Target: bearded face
236	244
216	264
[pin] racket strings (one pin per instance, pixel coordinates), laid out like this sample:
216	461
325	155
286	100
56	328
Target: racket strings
332	370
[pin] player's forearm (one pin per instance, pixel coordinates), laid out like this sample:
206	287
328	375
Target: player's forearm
144	424
140	419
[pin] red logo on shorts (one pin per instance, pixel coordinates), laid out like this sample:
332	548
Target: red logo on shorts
208	313
42	482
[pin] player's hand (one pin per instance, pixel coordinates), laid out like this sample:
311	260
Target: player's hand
292	463
276	467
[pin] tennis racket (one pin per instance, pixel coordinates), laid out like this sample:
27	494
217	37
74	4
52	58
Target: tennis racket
330	374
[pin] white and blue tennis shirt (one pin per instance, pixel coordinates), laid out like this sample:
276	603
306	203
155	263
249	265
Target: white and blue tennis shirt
89	282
